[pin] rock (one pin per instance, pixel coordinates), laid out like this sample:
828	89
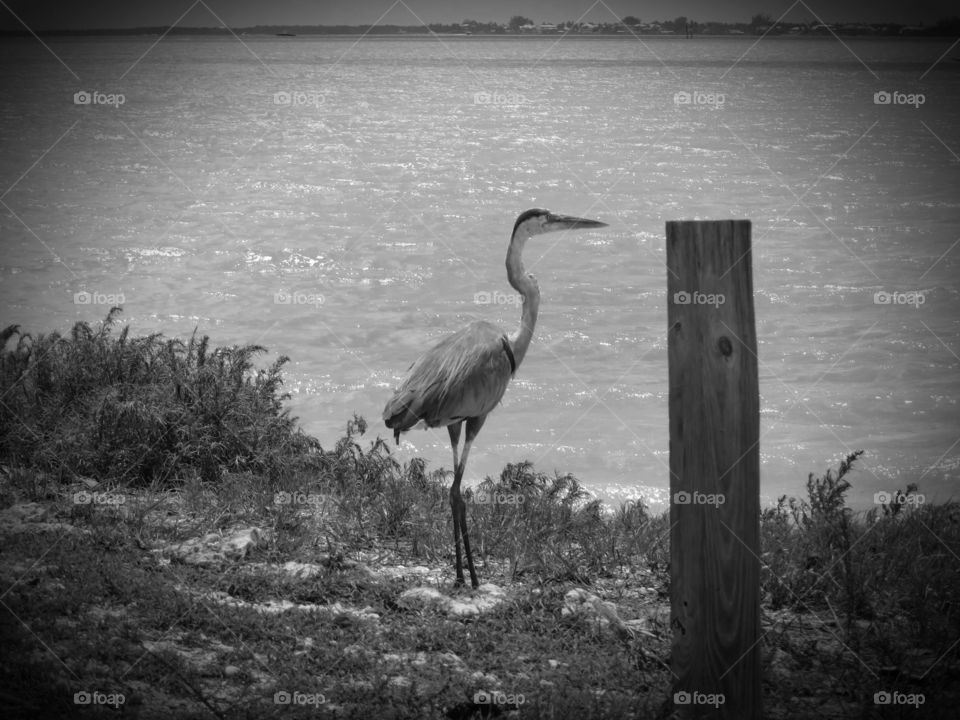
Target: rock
237	546
484	679
399	571
452	661
448	660
422	597
344	614
484	598
580	602
400	682
301	571
216	549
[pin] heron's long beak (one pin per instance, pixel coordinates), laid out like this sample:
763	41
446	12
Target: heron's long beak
568	222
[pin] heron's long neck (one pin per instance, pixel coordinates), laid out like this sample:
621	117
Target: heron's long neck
527	287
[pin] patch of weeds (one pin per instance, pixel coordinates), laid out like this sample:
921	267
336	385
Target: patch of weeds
105	405
550	528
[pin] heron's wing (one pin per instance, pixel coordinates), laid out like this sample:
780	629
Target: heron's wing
464	375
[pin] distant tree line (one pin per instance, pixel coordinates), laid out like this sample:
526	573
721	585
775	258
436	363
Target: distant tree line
519	25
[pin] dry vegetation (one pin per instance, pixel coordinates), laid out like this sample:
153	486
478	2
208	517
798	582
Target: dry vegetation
171	538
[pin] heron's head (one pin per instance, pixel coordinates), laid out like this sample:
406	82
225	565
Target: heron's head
537	221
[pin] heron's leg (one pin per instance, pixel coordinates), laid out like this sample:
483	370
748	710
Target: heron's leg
473	427
454	431
455	499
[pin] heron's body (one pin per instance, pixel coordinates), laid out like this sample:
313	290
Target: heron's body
464	376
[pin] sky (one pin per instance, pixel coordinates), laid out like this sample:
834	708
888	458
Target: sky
64	14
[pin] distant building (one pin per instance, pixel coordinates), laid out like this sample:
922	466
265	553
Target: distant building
547	28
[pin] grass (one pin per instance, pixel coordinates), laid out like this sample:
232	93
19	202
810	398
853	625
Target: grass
142	409
118	452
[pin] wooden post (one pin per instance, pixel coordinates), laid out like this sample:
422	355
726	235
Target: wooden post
714	470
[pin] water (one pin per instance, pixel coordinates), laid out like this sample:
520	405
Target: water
388	187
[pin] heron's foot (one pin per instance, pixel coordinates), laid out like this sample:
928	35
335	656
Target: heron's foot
460	583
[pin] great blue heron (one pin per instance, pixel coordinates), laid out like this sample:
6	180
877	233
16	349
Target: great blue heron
463	377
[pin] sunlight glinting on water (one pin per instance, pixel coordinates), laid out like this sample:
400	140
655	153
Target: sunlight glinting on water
384	203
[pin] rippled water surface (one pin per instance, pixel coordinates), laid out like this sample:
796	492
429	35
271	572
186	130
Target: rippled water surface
381	197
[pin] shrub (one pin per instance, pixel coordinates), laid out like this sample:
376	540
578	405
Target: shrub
143	409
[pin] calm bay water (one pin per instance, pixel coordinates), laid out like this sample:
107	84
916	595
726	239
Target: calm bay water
381	196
